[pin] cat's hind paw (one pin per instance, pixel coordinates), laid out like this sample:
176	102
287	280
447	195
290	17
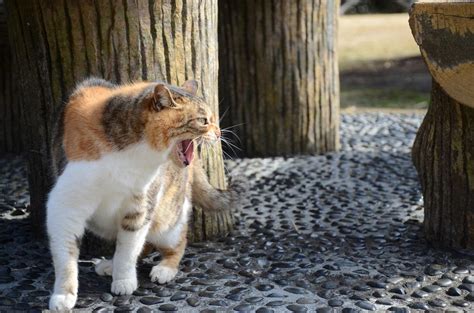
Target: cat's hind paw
124	286
104	267
62	302
162	274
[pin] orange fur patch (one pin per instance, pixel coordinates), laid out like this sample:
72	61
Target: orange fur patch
84	137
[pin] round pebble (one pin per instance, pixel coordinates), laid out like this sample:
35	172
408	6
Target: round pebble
168	307
178	296
194	302
366	305
454	292
106	297
151	300
243	308
296	308
335	303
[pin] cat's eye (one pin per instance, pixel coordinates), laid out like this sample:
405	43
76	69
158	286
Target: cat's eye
203	120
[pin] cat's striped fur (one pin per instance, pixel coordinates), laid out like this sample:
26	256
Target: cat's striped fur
128	175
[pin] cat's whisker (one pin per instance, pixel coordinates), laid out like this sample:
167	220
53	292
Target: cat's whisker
227	155
233	151
230	145
226	131
225	112
211	148
220	101
233	126
189	145
228	138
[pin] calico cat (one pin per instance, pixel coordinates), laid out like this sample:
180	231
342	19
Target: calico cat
183	186
116	140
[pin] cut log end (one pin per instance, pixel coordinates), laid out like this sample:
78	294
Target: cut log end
445	34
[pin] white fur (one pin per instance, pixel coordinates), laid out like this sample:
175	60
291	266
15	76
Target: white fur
97	194
169	238
62	303
162	273
104	267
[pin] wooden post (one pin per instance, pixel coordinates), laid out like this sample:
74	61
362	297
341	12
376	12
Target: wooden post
10	114
59	43
443	152
279	76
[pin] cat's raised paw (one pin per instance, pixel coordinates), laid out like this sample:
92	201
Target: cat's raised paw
162	274
104	267
62	302
124	286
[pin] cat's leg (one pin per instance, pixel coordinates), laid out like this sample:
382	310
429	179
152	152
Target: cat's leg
130	240
104	267
65	224
167	269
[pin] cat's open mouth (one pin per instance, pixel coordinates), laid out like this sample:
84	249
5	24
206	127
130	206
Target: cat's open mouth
185	150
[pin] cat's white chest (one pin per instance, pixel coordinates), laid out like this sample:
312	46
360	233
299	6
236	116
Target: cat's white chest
131	169
106	219
104	189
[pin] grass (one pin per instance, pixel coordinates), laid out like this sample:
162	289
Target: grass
392	98
365	38
374	48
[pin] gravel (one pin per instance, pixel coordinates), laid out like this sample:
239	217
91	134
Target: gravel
341	231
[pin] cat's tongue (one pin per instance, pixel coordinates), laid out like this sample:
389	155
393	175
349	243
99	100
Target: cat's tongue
186	152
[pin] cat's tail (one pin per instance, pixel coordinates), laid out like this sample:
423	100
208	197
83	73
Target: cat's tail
210	198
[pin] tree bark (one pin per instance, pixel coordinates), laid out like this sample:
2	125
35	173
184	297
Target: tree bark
443	152
59	43
10	114
279	76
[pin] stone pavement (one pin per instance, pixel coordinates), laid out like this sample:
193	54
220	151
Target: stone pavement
333	233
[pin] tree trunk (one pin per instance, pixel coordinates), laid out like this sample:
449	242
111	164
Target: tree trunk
10	125
444	147
279	76
443	154
59	43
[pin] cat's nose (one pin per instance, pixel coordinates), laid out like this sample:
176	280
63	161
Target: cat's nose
218	133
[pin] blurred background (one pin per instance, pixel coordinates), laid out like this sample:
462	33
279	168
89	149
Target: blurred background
379	62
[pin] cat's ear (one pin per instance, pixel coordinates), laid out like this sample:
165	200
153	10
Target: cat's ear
191	86
162	98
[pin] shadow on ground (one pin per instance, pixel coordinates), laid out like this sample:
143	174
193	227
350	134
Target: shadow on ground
397	83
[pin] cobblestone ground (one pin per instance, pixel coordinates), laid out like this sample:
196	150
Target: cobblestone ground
339	232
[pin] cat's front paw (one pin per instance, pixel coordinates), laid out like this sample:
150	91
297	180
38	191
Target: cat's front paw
162	274
104	267
62	302
124	286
